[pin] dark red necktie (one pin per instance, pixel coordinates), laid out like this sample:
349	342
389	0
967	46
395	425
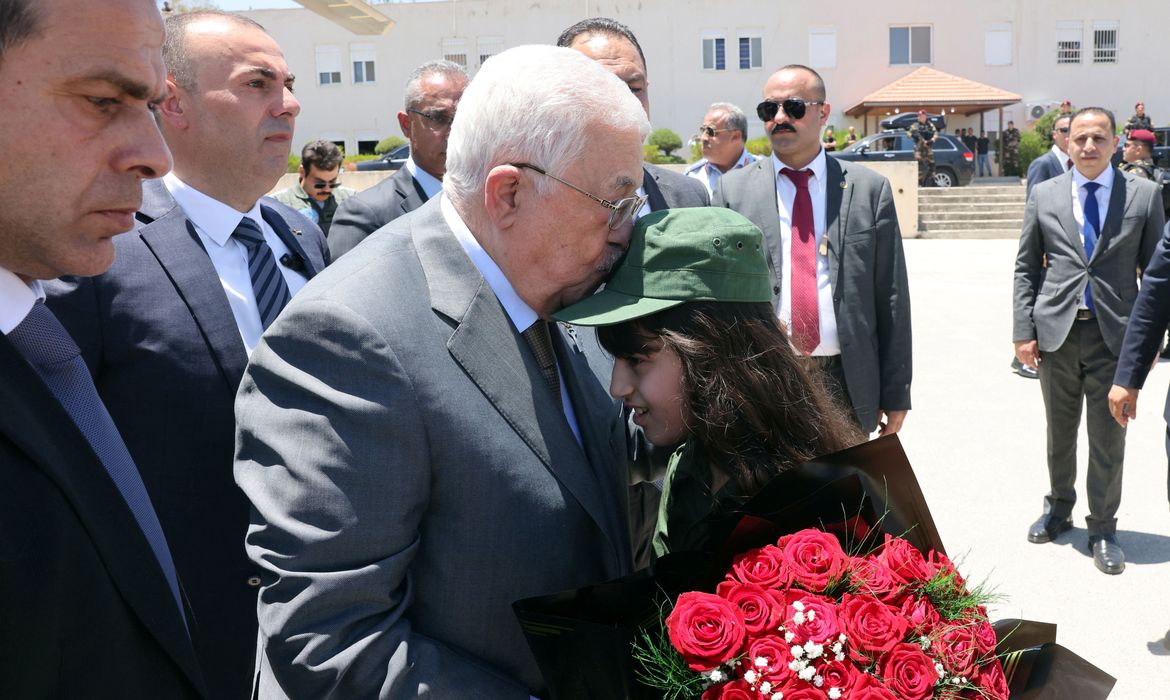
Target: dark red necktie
806	325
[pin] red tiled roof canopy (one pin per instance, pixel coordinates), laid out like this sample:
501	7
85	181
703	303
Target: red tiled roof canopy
927	88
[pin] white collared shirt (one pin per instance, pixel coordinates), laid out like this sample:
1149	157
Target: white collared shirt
785	197
215	222
708	174
1062	157
430	184
518	311
1080	195
17	298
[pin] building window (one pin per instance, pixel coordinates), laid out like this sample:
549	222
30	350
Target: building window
489	46
714	53
822	48
997	45
751	49
362	57
328	65
455	51
1068	41
910	45
1105	42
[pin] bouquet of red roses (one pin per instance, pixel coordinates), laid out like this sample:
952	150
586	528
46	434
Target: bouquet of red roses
804	620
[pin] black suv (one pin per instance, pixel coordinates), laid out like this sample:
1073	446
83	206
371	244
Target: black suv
393	160
904	120
954	163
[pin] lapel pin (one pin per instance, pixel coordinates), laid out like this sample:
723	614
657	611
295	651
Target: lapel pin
296	232
844	185
824	248
572	336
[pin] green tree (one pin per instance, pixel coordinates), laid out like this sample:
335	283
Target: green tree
759	146
1043	129
388	144
1031	148
665	140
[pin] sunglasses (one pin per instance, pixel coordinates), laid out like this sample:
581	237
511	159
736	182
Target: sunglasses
794	107
1063	129
331	185
437	118
710	131
620	211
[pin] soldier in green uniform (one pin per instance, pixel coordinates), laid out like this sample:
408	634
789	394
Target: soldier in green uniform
1139	120
923	132
1011	149
1139	155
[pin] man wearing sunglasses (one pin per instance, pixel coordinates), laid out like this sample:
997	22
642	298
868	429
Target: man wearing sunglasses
318	190
432	95
835	250
1056	161
722	135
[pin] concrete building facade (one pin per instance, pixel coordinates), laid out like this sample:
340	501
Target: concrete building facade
1104	54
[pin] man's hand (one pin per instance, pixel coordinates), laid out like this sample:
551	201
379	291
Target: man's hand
893	422
1123	404
1028	352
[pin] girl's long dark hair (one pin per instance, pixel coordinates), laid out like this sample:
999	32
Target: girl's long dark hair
756	406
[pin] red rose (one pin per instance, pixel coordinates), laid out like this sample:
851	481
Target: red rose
815	558
871	627
985	641
866	687
735	690
872	577
839	675
921	615
705	629
909	673
763	609
764	567
812	618
768	657
906	563
954	646
991	682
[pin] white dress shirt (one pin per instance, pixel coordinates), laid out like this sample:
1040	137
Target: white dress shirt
17	298
709	174
785	197
1062	157
1079	195
520	312
215	222
430	184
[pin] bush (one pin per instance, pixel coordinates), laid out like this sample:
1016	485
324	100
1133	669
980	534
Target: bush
759	146
294	162
1031	148
666	141
388	144
696	151
1043	129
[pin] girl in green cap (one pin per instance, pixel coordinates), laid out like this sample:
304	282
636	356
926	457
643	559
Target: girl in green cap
704	366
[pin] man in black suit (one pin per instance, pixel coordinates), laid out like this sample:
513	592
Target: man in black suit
432	96
168	329
1087	235
615	47
90	603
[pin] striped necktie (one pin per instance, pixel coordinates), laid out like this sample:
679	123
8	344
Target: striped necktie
267	282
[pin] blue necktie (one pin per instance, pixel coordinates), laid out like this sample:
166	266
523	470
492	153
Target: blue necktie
267	282
1092	232
50	350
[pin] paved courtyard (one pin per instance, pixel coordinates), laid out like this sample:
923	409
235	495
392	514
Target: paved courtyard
976	440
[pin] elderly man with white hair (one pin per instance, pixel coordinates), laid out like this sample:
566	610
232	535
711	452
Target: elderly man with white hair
422	446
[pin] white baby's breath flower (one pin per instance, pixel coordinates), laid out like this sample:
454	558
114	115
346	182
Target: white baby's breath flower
818	680
716	675
841	637
761	661
836	648
795	665
765	687
797	651
798	605
834	694
778	695
813	650
806	673
938	667
789	636
812	615
839	656
750	677
798	618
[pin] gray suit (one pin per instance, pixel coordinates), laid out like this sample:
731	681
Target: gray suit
1080	357
867	274
667	189
412	476
368	211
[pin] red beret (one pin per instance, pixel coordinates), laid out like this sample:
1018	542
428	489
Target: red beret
1143	135
922	111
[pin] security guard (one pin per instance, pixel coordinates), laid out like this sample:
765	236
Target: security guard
923	132
1011	149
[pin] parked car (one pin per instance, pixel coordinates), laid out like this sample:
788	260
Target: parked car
393	160
904	120
954	163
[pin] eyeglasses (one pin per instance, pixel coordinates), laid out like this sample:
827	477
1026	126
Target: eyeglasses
794	107
710	131
437	118
1063	129
331	185
620	211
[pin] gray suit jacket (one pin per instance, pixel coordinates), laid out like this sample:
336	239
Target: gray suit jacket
368	211
166	356
1046	297
867	273
667	189
412	476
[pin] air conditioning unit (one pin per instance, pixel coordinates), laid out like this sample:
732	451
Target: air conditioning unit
1039	109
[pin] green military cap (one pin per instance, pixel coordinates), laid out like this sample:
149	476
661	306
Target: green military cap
676	256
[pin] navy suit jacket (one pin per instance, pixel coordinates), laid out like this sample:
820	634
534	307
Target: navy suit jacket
166	355
84	608
1147	323
1044	168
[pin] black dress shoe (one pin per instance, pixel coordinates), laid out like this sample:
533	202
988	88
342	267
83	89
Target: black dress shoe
1108	556
1047	528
